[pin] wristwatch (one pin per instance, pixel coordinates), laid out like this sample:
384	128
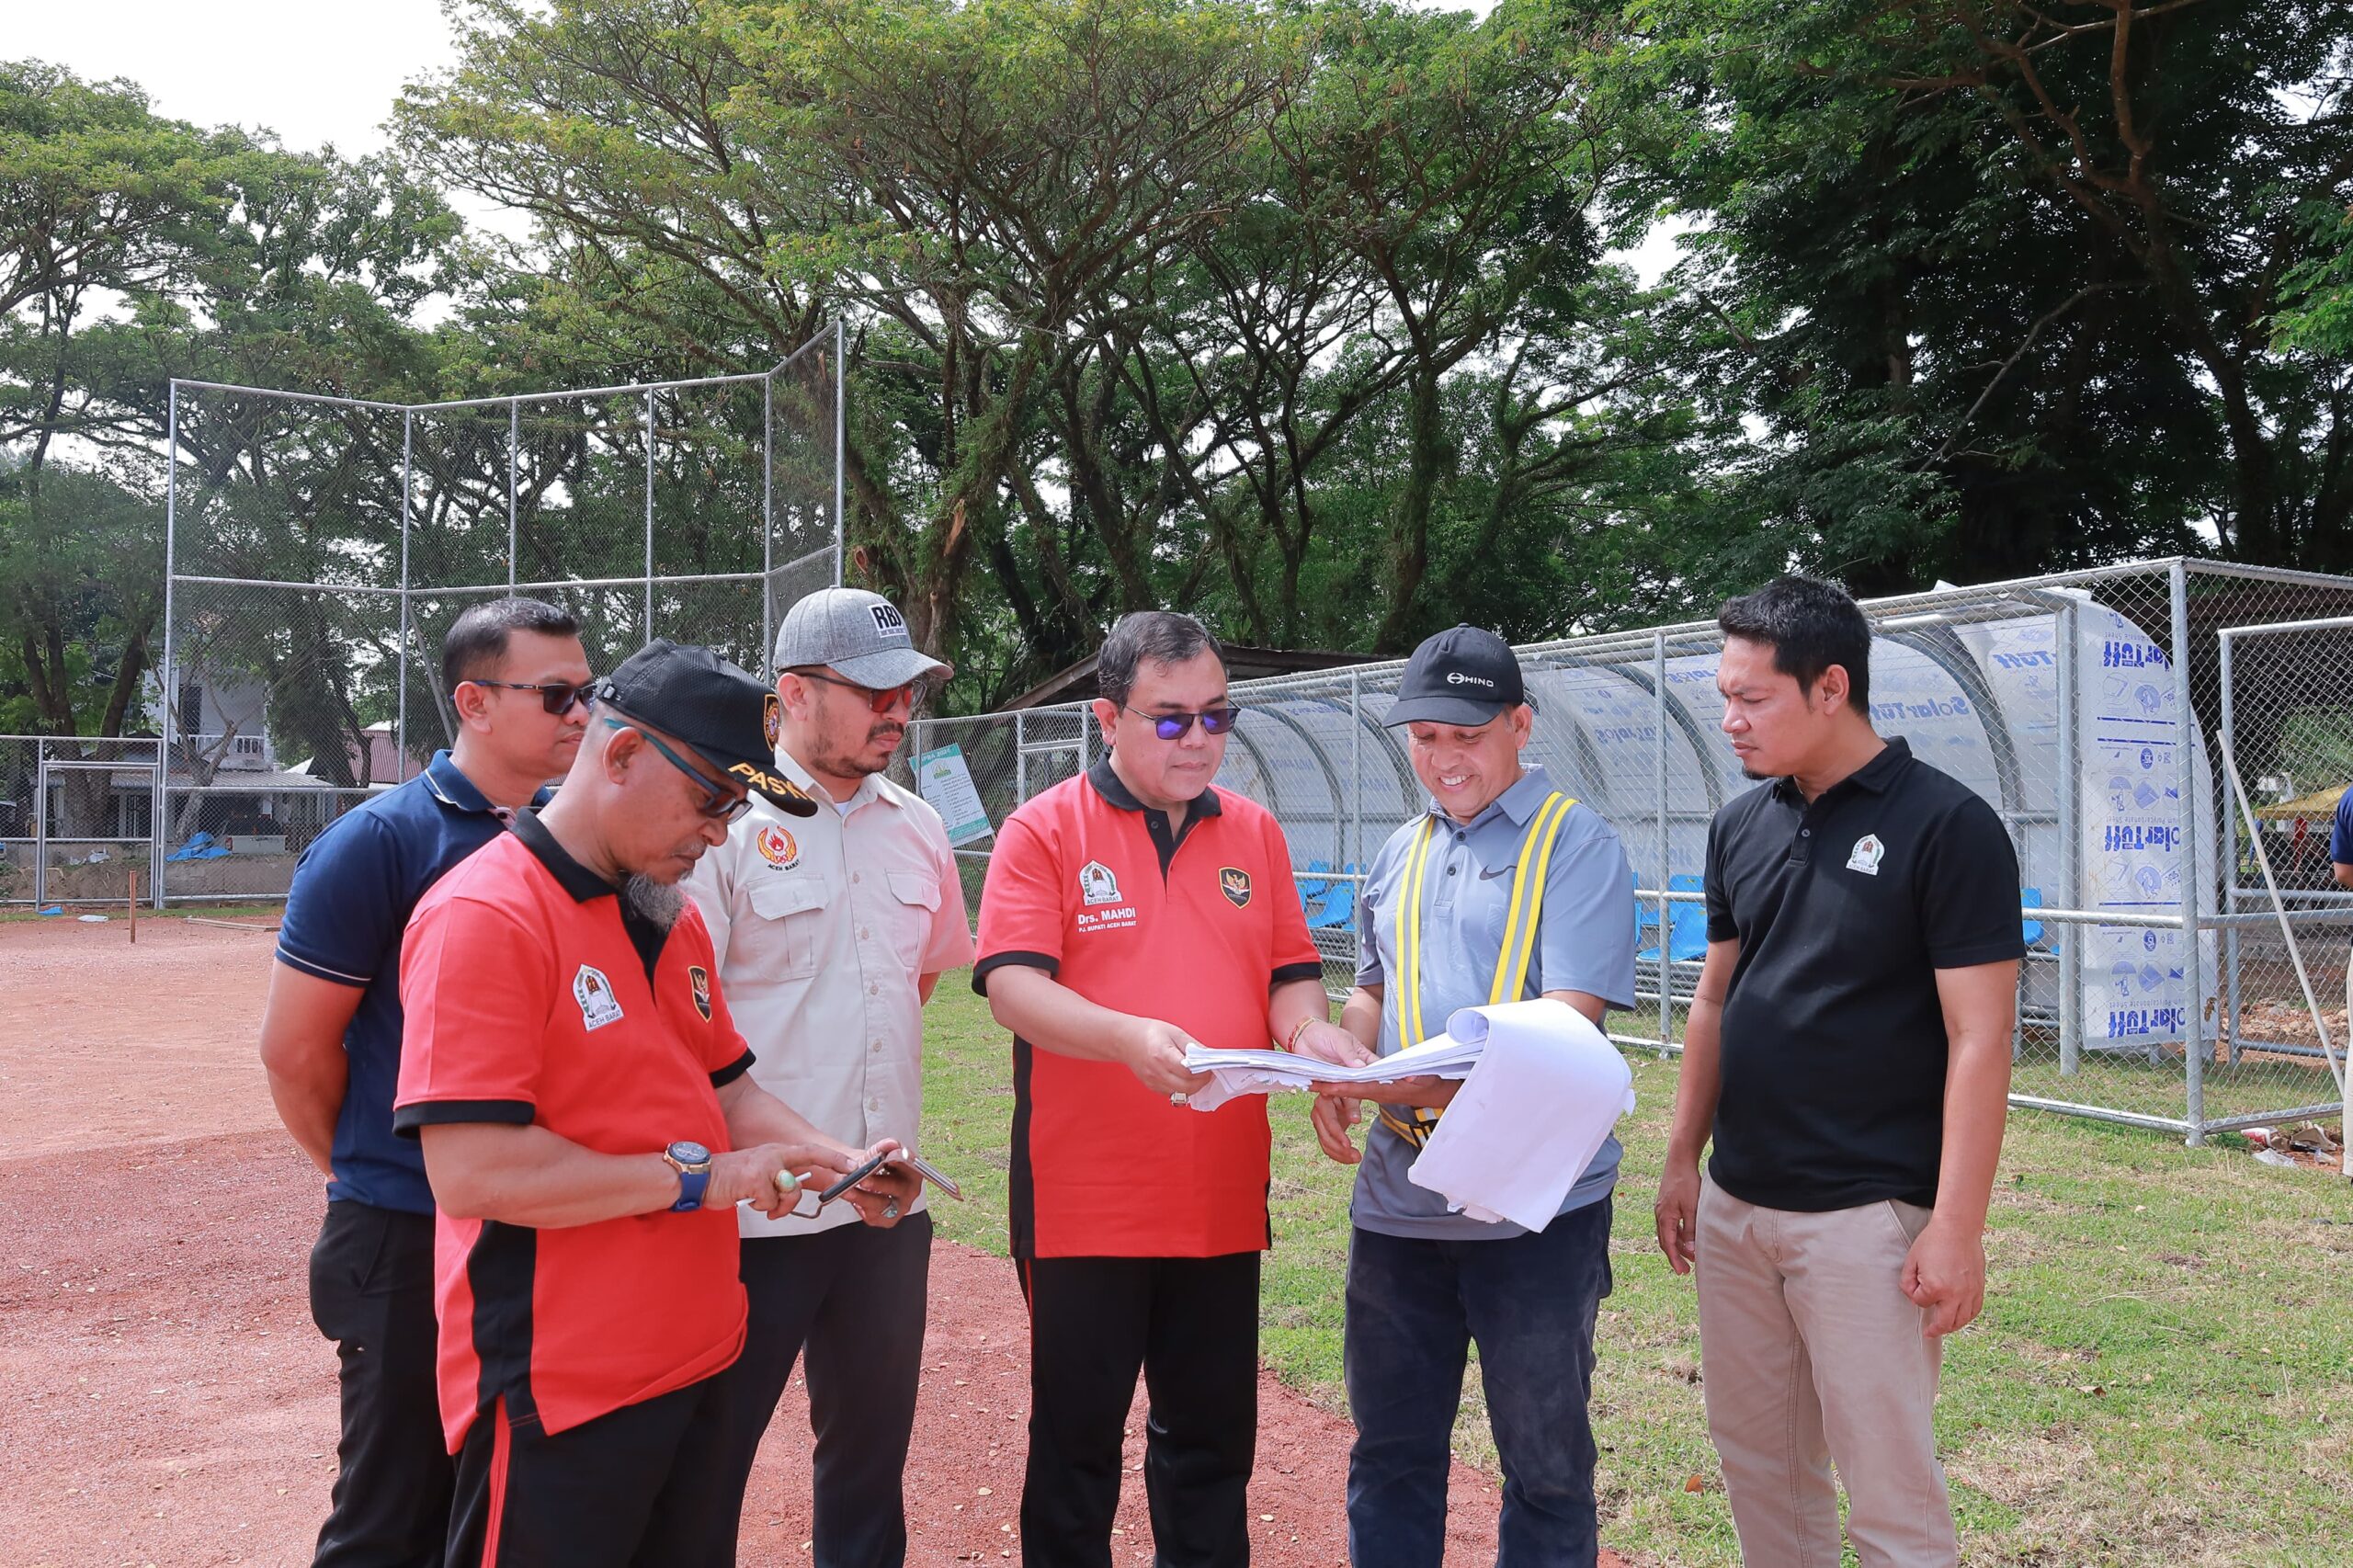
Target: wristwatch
692	1162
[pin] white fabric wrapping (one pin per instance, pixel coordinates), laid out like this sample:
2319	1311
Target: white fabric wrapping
1536	1110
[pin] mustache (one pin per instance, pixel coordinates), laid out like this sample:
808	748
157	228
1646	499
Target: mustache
895	734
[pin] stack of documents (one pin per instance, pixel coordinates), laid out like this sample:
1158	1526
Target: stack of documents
1531	1121
1238	1073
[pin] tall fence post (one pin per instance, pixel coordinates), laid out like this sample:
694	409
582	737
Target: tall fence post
768	525
2070	935
166	697
1662	860
514	461
2227	863
2186	734
841	404
400	722
649	514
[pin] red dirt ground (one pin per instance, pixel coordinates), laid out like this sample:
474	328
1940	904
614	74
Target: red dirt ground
171	1404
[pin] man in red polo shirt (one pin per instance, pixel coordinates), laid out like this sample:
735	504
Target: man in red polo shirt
588	1128
1128	913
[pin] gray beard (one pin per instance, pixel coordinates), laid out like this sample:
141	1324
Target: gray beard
661	902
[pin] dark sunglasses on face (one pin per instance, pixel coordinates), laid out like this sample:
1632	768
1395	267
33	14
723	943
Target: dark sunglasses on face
716	804
557	696
878	702
1168	726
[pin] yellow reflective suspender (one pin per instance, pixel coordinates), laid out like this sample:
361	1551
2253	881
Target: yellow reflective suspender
1412	1123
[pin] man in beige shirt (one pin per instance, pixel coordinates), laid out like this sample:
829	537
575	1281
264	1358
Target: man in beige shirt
830	933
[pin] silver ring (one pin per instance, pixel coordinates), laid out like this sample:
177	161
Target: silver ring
1179	1099
890	1209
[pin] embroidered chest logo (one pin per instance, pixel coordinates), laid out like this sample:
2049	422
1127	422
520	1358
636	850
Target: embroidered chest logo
1098	889
1866	854
698	982
1234	884
777	847
598	1006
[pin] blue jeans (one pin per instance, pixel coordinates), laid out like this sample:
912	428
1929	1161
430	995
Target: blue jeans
1415	1308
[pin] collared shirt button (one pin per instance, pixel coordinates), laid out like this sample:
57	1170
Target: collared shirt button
873	989
878	1045
1805	832
856	876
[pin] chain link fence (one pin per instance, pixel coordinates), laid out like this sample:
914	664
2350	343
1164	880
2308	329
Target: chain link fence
318	550
2085	707
76	820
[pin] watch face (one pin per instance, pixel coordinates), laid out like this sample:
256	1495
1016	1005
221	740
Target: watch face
686	1154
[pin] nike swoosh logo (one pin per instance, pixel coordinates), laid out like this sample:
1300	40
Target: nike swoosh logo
1498	871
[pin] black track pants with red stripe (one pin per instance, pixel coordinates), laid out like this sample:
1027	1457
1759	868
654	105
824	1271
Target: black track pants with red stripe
1191	1324
637	1487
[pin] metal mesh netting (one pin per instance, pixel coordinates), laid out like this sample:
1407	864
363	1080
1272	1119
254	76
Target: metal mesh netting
2082	708
76	819
320	549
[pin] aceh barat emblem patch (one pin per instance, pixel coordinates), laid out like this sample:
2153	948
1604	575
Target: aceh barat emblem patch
598	1006
1866	854
1097	884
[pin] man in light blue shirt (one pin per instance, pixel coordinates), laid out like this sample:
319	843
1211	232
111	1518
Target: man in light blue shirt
1425	1284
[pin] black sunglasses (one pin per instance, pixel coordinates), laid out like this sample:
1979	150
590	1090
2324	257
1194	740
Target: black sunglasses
1168	726
717	804
558	698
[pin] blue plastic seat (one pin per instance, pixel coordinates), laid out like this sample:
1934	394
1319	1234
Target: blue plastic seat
1687	929
2031	898
1336	908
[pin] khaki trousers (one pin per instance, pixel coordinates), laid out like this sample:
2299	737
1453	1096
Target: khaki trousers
1810	1352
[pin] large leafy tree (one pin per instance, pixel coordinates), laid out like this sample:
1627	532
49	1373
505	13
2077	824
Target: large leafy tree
1999	279
136	249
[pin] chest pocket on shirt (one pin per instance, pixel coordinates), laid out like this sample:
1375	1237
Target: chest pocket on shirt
793	908
915	899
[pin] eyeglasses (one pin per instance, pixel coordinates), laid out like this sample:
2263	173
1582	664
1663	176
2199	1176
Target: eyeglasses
718	805
1168	726
880	702
557	697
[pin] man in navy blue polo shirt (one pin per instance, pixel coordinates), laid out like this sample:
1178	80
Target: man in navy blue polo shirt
519	684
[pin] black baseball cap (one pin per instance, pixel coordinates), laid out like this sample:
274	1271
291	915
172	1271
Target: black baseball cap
717	707
1464	675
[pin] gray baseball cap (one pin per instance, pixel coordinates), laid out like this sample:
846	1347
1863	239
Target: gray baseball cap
859	636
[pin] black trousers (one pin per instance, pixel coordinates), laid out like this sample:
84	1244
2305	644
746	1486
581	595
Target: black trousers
1191	1325
371	1293
637	1487
853	1297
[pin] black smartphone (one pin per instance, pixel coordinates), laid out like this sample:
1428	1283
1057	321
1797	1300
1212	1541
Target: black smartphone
854	1177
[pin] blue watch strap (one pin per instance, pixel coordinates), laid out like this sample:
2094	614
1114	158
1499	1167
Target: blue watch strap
690	1190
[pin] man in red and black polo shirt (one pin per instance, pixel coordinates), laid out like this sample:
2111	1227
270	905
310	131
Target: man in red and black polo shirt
1128	915
588	1128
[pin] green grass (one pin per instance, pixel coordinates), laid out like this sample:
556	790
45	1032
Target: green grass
2164	1373
255	913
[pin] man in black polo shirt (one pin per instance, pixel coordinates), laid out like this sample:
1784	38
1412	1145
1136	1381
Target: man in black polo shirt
1849	1047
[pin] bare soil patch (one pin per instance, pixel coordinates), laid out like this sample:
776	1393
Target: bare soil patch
171	1401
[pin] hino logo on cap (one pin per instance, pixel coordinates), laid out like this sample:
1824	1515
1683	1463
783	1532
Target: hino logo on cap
1456	677
888	621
